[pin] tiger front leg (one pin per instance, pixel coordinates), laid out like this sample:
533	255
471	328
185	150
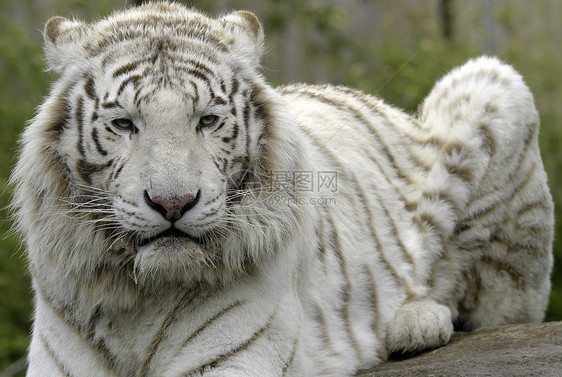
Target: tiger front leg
419	325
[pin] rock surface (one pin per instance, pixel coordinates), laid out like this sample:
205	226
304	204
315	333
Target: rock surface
513	350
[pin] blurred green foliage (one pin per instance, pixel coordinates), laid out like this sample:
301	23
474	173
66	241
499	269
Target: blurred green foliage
22	85
397	55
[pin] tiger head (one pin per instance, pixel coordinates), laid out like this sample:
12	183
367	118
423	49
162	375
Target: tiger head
151	151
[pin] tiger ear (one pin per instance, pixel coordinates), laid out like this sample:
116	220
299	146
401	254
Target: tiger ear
248	35
64	42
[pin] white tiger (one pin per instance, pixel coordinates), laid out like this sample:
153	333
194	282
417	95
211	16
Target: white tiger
184	218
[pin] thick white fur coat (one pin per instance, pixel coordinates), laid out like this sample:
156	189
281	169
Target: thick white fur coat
183	218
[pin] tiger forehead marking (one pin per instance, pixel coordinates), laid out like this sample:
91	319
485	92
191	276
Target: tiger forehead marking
184	218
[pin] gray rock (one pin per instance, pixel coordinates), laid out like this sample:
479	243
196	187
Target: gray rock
513	350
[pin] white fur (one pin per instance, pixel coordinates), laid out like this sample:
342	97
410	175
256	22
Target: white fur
437	220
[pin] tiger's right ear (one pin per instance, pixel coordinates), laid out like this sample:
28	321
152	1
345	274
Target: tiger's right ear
64	43
248	30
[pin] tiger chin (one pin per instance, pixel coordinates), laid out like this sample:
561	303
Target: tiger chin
184	218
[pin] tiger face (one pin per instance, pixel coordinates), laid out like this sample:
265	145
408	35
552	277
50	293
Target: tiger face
162	132
166	159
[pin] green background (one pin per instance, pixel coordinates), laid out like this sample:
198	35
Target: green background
393	49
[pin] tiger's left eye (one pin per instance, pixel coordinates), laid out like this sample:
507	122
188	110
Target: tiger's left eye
124	124
208	120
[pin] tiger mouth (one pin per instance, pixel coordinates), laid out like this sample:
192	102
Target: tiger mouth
172	233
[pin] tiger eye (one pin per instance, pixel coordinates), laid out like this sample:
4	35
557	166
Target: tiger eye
208	120
124	124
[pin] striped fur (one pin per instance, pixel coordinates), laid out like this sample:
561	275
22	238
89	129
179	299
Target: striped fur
316	228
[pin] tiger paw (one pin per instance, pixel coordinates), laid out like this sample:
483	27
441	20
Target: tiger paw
419	325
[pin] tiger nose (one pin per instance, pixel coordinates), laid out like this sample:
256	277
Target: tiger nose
174	208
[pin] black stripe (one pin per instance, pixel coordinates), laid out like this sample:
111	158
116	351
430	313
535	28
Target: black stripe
234	135
377	326
320	318
247	155
521	184
347	288
427	225
138	98
362	197
320	234
131	66
395	232
60	365
160	45
182	62
89	88
186	299
219	126
224	165
525	180
356	114
132	30
247	144
86	169
488	140
111	131
291	358
374	105
260	106
375	304
196	94
95	137
92	322
246	114
241	347
66	314
198	74
391	182
540	203
133	78
216	162
103	350
534	250
79	116
60	121
220	101
63	311
226	151
207	323
234	89
211	91
516	276
511	177
463	172
111	105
